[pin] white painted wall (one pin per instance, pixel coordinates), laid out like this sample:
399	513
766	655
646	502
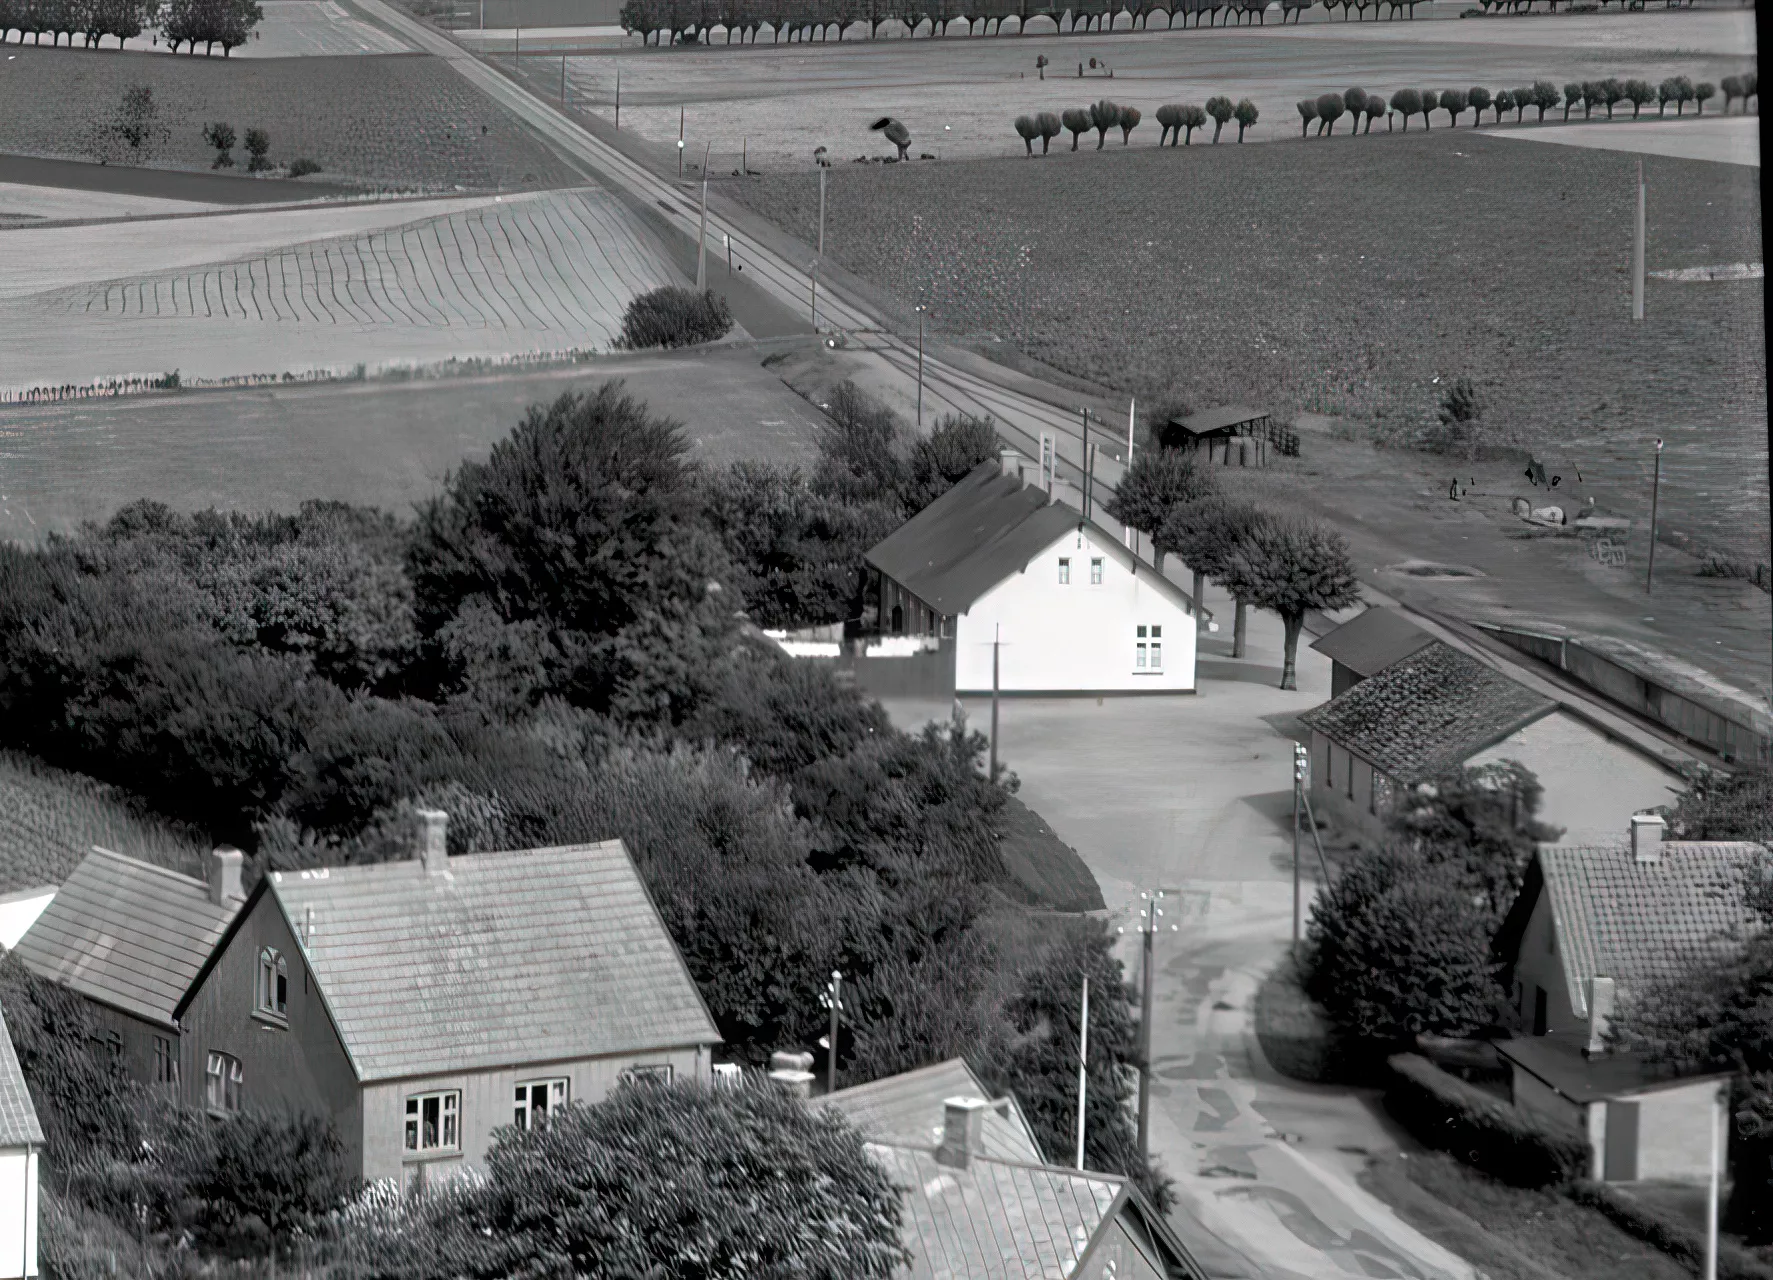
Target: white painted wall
1592	784
487	1104
18	1212
1077	637
19	911
1674	1138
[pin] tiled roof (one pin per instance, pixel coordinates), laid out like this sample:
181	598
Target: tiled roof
1427	713
1630	921
910	1106
127	934
18	1118
985	528
996	1219
1371	641
505	958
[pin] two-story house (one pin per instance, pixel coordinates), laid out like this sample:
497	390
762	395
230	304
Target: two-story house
425	1003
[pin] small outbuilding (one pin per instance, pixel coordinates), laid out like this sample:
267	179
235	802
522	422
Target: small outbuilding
21	1142
1231	430
1367	644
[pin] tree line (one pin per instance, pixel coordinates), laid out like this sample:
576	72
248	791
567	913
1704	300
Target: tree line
1541	96
695	21
1178	122
563	646
227	23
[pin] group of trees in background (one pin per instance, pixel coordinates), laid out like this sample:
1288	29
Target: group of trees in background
697	21
1541	96
1179	122
563	646
227	23
1278	561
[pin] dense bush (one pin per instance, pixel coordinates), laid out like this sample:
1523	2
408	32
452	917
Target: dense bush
1512	1146
1158	480
1481	822
674	317
1397	948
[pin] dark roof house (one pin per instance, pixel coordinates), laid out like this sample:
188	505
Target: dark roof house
131	936
1367	644
1427	713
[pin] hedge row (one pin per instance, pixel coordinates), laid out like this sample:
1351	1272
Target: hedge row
1674	1238
1510	1145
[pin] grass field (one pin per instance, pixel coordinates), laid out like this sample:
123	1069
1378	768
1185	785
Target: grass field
1354	276
398	120
49	820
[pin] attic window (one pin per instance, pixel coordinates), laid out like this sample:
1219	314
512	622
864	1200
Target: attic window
272	988
1064	571
1096	571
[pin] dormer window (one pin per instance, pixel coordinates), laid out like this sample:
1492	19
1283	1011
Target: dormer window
272	996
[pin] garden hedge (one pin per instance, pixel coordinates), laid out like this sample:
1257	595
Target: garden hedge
675	317
1670	1235
1491	1135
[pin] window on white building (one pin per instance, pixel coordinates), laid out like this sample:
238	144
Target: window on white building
658	1071
1096	571
537	1100
1064	571
272	994
224	1078
1148	649
433	1121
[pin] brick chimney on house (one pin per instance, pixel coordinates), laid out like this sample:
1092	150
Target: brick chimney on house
793	1071
963	1126
1647	831
1011	463
434	841
1600	1009
224	876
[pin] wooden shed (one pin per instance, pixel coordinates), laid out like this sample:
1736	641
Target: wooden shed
1232	431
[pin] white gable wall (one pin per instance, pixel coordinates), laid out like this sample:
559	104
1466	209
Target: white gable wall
1076	637
18	1212
1592	784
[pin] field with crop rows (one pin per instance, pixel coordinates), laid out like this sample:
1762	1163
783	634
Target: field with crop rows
49	820
1341	274
397	120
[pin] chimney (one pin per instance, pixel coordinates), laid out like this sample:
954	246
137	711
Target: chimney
793	1072
1011	463
1647	830
1600	1009
963	1123
434	841
224	876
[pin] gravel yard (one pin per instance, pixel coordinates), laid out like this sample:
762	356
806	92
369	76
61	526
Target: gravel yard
402	120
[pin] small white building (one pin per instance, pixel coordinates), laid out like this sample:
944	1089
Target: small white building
19	911
21	1143
1592	922
996	563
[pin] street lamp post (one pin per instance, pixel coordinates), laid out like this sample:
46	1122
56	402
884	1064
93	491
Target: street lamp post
822	172
1655	498
920	310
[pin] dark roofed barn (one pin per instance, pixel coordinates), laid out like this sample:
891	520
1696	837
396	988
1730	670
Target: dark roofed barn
1367	644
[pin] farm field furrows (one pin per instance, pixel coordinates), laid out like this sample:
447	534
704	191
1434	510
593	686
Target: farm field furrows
49	820
959	95
543	272
403	120
1353	276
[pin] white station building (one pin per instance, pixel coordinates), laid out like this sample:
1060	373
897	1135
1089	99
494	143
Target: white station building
998	563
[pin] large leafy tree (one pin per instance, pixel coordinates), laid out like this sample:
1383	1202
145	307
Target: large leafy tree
1398	948
581	534
1480	821
1290	564
679	1180
1726	806
957	444
1158	480
1207	535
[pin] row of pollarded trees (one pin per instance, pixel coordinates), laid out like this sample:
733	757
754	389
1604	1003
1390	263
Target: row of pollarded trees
1542	96
227	23
1264	559
1179	122
693	21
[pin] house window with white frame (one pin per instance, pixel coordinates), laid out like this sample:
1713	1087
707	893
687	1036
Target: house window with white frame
655	1071
539	1099
1148	649
434	1122
1065	571
1095	571
271	995
224	1079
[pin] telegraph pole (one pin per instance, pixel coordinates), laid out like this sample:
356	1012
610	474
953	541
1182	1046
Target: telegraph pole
833	999
618	96
822	172
1301	761
702	235
1637	253
1711	1199
563	82
1083	1062
996	645
1655	498
920	311
680	144
1147	974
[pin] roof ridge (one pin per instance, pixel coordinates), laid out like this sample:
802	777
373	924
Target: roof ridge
1076	1175
143	865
